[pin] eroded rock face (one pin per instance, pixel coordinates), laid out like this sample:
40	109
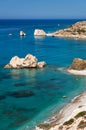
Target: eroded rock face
29	61
78	64
16	62
39	32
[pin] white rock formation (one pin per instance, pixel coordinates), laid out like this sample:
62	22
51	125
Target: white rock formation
39	32
22	33
16	61
41	64
29	61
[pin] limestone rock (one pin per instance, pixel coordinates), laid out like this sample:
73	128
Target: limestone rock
29	61
41	64
22	33
39	32
16	62
8	66
78	64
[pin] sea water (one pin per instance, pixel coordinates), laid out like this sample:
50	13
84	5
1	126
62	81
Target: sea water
46	86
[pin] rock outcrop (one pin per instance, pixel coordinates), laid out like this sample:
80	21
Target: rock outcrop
78	64
39	32
22	33
78	67
29	61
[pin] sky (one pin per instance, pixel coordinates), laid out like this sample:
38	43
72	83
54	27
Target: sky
42	9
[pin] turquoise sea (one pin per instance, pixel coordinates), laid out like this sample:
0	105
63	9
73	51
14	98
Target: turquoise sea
47	86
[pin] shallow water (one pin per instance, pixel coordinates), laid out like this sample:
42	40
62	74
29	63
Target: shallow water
30	96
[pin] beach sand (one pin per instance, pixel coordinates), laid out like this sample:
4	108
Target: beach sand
76	72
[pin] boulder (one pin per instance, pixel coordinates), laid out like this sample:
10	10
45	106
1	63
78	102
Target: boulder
29	61
41	64
78	64
7	66
22	33
39	32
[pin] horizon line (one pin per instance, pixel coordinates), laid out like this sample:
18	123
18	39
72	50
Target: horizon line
43	19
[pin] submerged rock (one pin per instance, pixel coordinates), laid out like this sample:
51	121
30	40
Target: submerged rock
39	32
29	61
10	34
2	97
21	93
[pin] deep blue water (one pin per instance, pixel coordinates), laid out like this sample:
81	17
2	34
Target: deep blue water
46	86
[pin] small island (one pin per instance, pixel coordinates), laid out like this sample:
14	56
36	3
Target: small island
78	67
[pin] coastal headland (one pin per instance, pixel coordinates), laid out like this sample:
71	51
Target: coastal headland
77	31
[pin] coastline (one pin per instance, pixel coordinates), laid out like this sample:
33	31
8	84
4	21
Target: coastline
77	72
69	112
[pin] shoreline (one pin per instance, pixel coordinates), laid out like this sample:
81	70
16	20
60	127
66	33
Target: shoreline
77	72
68	113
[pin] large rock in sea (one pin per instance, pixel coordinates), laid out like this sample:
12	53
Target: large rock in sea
39	32
29	61
78	64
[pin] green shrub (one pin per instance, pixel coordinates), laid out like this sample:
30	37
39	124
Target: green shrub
69	122
47	126
81	30
80	114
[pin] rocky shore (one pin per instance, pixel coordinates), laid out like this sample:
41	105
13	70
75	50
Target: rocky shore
29	61
77	31
71	117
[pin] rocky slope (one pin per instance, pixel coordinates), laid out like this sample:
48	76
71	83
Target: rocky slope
77	30
71	117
